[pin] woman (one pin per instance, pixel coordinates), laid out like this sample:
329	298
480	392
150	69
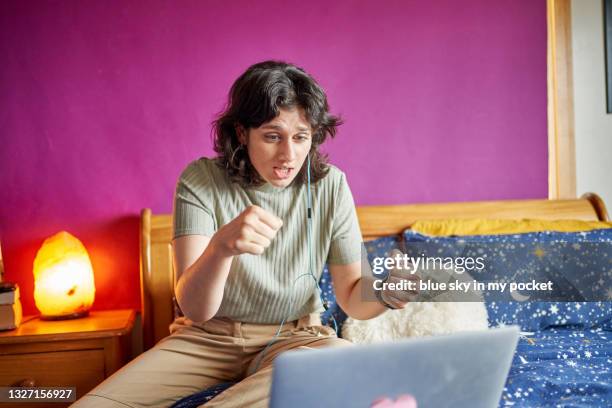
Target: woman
250	242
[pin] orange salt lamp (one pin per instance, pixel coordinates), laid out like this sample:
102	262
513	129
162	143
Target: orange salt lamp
63	278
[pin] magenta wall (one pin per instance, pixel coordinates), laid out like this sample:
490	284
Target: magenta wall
103	103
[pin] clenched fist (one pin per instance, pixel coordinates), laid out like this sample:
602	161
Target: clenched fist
250	232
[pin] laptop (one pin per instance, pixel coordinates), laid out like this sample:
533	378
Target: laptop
460	370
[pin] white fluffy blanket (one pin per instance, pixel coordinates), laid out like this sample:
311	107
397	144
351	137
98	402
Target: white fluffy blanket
417	319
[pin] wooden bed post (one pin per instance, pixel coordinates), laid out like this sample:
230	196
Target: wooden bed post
561	144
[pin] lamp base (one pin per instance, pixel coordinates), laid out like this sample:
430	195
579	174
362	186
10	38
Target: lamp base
74	315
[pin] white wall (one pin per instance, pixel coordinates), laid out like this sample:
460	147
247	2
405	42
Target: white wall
593	127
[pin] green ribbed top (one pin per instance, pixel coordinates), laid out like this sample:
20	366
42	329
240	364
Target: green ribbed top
260	288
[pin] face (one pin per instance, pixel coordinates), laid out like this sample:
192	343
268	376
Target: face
278	148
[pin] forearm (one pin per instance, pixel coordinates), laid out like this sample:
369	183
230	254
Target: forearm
357	307
199	290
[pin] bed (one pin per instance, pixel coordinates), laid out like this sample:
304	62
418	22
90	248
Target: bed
561	366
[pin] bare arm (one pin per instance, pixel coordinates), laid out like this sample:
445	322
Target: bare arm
202	264
201	275
348	286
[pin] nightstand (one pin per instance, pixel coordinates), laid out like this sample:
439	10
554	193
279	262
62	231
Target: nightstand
80	353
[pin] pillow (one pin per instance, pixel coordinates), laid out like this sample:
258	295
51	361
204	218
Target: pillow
463	227
568	259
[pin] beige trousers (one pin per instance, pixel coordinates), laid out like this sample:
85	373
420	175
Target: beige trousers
198	356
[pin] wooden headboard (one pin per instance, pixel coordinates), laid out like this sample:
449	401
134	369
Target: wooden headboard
157	273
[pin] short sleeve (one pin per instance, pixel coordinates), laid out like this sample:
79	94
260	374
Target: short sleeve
192	214
346	240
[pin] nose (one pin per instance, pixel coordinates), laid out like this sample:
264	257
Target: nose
287	150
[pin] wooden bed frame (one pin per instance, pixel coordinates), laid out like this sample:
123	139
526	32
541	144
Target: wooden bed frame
157	273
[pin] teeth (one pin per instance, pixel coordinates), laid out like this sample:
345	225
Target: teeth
284	170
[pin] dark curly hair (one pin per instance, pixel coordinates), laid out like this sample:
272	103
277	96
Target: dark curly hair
256	98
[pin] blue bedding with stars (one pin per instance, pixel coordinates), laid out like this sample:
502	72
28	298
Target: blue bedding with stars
561	367
564	355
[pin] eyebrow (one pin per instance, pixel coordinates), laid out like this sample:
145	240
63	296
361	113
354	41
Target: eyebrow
277	127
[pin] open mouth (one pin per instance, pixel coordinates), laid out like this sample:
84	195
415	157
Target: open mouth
282	172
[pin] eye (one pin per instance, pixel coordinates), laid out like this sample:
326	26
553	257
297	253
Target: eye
301	138
272	137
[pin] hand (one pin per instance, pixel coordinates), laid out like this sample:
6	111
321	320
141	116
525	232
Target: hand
250	232
399	298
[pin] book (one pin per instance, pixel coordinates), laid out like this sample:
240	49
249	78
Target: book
10	316
9	293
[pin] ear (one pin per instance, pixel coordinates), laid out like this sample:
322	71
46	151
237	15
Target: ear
242	134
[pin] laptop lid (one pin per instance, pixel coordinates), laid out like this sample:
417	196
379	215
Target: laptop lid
459	370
